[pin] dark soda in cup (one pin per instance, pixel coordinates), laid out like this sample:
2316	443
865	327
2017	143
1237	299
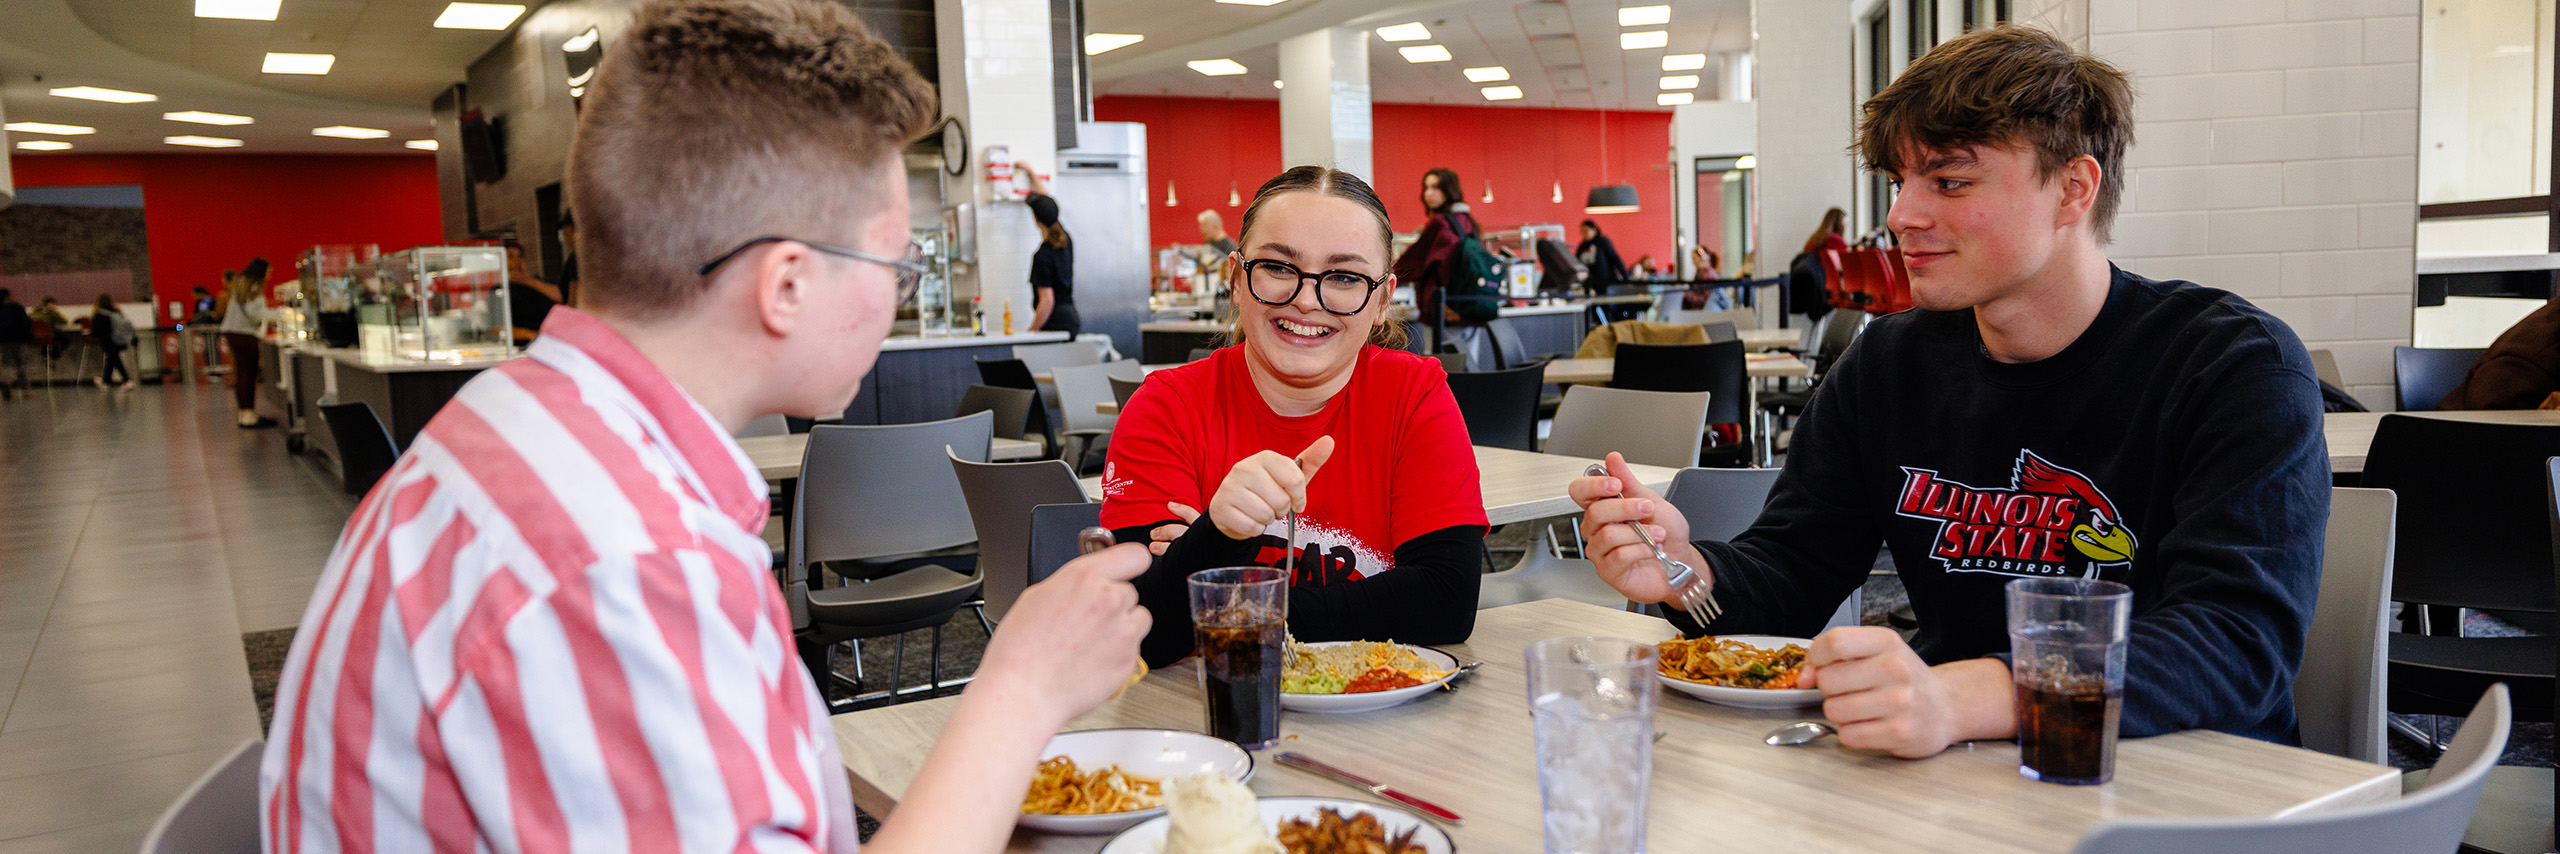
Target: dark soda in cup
1239	619
2067	730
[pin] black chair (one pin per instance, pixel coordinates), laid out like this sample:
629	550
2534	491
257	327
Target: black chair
1718	369
1053	535
1839	330
1508	350
1501	407
2475	531
1012	408
365	450
1122	390
1013	373
2425	375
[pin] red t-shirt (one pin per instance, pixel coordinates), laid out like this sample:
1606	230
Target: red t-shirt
1402	466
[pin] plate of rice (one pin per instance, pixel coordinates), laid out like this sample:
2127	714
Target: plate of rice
1341	677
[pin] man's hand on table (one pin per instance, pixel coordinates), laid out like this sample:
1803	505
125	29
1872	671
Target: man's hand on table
1071	641
1620	556
1883	697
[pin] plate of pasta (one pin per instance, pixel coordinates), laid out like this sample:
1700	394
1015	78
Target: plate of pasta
1340	677
1103	780
1745	671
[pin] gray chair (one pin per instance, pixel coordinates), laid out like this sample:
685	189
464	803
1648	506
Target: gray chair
1011	408
1659	428
1721	331
1000	497
2339	694
1722	503
770	425
1125	369
1081	389
867	494
218	814
1053	535
2324	364
2425	375
1122	390
1043	358
2430	819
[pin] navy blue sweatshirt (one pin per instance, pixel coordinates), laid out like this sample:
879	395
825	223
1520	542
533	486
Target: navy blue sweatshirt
2175	447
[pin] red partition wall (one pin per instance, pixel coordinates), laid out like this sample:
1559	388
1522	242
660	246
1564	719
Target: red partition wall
1201	145
206	213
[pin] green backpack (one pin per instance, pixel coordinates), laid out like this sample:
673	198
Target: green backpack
1474	274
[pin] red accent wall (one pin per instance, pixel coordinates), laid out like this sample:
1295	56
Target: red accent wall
206	213
1202	145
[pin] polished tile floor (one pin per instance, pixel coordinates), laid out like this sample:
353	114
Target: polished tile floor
140	535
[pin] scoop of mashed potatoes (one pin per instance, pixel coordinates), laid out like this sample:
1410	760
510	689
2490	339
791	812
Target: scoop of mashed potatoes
1210	814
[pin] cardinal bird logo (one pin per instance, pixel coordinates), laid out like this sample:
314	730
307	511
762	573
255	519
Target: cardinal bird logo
2050	521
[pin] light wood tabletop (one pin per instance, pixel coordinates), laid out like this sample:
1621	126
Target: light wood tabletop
1770	339
2350	434
1715	785
778	457
1518	486
1598	371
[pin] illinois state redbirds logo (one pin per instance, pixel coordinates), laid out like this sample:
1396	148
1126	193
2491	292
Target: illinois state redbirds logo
2049	521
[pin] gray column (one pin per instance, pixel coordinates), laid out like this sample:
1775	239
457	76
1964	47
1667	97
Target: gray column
1324	100
1803	61
8	187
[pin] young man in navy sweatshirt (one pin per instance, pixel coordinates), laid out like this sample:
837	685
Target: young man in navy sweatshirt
2041	413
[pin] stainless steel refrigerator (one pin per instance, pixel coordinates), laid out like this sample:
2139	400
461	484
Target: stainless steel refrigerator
1102	200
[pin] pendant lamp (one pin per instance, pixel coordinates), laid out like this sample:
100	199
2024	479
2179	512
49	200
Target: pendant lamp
1169	200
1610	199
1555	195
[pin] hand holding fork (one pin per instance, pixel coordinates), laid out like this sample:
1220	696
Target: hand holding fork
1689	590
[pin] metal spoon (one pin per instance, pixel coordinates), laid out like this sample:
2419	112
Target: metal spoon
1800	732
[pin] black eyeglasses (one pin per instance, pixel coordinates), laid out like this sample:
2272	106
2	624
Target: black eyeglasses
911	269
1275	282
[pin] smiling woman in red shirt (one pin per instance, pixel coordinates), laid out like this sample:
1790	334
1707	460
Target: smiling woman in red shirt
1309	411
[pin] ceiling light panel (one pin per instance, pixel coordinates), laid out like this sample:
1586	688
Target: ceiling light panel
1673	99
478	16
204	118
245	10
1502	93
1250	2
93	93
299	63
1629	41
420	144
1216	67
1680	81
44	145
1413	32
1488	74
1425	53
345	132
1643	16
201	141
1098	43
48	128
1683	61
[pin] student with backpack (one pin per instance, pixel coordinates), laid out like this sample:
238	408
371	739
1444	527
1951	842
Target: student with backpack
1449	258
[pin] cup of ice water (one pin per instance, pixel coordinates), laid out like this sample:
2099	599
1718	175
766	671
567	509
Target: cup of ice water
1592	700
2066	656
1240	618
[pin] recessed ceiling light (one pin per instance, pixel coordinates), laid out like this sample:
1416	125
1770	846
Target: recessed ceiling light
478	16
44	145
580	42
1216	67
1502	93
1405	33
1673	99
1425	53
1279	84
204	118
1250	2
1748	161
1683	61
112	96
201	141
1634	41
1107	42
345	132
299	63
1643	16
246	10
420	144
48	128
1680	81
1488	74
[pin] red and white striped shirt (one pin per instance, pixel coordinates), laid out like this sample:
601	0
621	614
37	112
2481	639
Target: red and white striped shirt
551	627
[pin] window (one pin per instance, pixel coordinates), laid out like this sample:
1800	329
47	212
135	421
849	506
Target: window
1921	24
2485	100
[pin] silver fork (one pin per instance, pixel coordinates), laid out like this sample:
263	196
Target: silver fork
1688	590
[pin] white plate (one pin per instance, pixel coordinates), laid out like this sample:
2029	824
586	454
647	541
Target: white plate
1160	753
1750	698
1148	836
1370	701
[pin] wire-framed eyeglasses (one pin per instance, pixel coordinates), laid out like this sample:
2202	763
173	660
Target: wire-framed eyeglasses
911	269
1274	282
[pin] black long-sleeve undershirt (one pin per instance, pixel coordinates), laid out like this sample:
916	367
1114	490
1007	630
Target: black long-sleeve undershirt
1429	597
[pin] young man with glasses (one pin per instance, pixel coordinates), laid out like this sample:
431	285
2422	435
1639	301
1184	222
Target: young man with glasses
2041	414
552	626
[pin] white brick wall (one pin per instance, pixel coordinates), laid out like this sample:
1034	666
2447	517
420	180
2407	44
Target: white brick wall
2275	157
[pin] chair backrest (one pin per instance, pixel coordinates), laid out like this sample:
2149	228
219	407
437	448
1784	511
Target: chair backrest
1720	503
1011	407
1012	373
1053	535
216	815
1042	358
1122	390
1720	331
1655	428
770	425
2426	374
1839	330
1451	363
1000	498
1081	388
365	449
1741	318
2475	527
879	491
2339	694
2430	819
1665	306
1500	407
1722	368
2324	364
1508	350
1125	369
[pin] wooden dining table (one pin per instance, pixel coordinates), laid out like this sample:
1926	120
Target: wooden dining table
1769	339
1716	786
1598	371
2350	434
1519	486
778	457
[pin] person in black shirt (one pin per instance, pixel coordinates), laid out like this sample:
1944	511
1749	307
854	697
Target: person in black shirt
1599	254
2041	413
1053	265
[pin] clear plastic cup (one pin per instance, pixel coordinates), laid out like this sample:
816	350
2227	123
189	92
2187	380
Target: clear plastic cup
2066	648
1592	702
1240	619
